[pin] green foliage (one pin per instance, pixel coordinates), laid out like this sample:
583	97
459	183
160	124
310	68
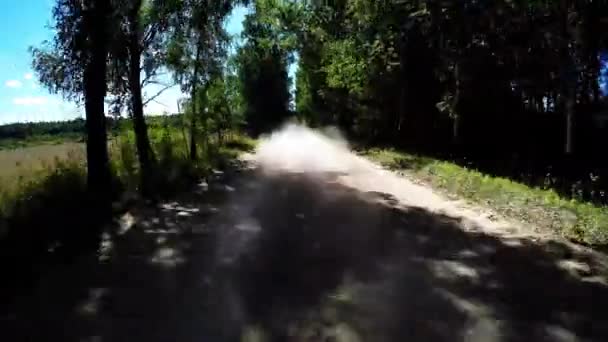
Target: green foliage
304	98
265	87
197	45
220	113
60	63
176	172
124	161
573	219
262	64
344	66
487	84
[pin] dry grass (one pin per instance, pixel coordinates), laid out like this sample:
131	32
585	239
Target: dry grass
42	169
23	168
24	161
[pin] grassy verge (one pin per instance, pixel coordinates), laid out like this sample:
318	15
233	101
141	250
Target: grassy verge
575	220
29	171
44	209
175	171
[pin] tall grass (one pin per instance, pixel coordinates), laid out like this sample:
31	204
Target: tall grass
38	172
44	207
174	170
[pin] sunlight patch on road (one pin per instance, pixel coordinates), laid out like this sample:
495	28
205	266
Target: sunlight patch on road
167	256
454	270
560	334
126	222
575	268
106	247
253	334
92	304
485	327
249	225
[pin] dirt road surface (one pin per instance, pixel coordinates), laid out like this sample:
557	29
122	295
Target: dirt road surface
354	253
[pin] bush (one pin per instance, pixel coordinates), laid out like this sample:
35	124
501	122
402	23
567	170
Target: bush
124	159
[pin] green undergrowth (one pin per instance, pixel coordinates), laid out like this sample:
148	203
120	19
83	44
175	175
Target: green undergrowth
45	211
576	220
175	171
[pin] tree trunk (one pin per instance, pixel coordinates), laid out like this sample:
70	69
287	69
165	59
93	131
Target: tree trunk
144	150
456	124
570	104
204	123
594	34
94	79
193	152
569	79
403	89
596	90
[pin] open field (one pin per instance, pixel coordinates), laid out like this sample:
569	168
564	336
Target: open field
22	161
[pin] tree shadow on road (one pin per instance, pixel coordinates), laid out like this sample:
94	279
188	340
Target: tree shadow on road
295	257
143	284
334	263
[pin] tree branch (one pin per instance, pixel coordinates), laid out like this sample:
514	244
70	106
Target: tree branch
149	35
157	94
149	79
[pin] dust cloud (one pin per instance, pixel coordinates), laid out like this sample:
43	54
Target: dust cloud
297	148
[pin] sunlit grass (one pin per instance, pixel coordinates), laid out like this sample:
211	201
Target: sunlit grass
22	170
43	196
576	220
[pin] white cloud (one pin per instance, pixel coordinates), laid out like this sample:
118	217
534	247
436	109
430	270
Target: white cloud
13	83
28	76
30	100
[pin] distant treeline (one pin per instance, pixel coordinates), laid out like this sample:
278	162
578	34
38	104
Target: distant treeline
73	128
22	131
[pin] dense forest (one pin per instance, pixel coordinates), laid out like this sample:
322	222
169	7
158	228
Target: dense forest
513	88
508	89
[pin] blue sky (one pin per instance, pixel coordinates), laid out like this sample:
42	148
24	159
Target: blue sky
24	23
604	73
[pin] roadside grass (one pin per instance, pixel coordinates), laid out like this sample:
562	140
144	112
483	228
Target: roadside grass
573	219
45	211
175	171
22	161
28	171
